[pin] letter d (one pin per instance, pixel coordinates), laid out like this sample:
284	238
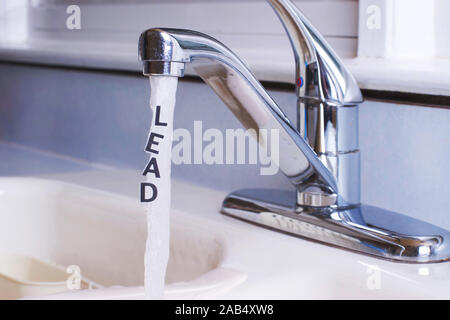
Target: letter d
154	192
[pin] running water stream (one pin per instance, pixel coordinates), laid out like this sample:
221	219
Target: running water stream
162	103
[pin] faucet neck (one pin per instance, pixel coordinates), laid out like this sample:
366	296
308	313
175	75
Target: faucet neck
327	108
320	74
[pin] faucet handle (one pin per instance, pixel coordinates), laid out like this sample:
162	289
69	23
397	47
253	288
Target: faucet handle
320	74
327	108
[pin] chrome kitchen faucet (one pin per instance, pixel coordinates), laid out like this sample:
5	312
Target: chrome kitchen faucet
320	157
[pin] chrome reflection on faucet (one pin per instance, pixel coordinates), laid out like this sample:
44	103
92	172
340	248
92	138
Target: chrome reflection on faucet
320	156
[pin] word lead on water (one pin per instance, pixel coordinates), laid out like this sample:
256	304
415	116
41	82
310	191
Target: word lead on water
148	190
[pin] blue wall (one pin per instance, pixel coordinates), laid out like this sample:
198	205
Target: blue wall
104	118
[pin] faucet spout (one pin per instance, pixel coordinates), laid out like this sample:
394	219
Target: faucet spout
166	51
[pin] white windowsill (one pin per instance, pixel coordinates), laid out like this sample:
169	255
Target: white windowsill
276	65
431	76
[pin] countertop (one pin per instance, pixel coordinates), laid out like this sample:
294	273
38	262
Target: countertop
277	266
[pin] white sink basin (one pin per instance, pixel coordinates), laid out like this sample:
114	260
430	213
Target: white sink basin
105	235
212	256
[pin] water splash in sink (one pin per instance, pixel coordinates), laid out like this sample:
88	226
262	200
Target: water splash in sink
162	103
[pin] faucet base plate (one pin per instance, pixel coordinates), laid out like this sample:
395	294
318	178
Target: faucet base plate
364	229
